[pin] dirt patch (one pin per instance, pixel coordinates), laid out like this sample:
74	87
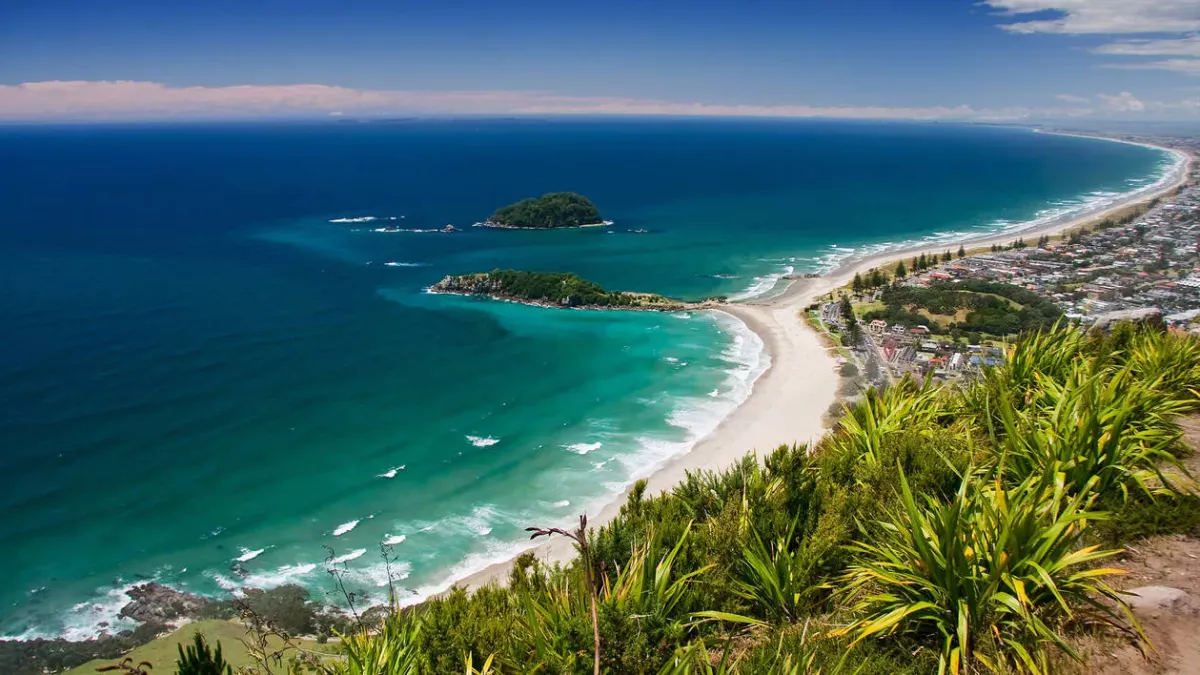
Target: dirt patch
1170	562
1174	631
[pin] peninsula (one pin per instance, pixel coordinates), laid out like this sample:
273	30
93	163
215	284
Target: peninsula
557	289
553	211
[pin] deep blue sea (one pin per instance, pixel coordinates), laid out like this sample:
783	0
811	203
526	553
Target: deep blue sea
214	366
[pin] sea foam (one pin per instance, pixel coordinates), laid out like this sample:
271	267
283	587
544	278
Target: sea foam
248	555
285	574
763	285
583	448
391	473
353	555
344	528
481	442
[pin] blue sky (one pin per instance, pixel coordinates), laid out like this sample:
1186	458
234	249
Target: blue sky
999	59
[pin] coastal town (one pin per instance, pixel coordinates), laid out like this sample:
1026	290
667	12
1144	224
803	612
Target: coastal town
946	314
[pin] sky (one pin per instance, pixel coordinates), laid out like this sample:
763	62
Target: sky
987	60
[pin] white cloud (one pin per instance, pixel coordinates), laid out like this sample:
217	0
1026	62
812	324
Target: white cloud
1185	66
1100	16
1124	102
124	100
1186	46
1116	17
90	100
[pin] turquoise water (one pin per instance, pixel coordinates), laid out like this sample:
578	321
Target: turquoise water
200	365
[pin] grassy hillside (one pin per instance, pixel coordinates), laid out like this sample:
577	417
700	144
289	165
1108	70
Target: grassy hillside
972	306
162	653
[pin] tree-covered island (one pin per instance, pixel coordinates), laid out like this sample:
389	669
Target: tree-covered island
556	289
551	211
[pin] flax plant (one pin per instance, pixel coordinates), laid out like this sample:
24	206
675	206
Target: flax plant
993	576
1171	360
905	405
775	579
391	651
1109	430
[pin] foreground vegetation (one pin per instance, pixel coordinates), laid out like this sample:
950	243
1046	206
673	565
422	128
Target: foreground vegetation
554	210
948	531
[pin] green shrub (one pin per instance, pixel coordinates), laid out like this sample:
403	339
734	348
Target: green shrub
200	659
992	576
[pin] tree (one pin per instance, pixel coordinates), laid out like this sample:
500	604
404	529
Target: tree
900	271
923	263
946	257
199	659
857	284
878	280
853	332
557	209
962	252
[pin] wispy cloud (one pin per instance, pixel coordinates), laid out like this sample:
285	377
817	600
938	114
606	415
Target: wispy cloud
1117	17
1071	98
152	100
1123	102
1185	66
1103	17
1186	46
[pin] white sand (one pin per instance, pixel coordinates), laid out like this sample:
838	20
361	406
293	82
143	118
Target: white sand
789	400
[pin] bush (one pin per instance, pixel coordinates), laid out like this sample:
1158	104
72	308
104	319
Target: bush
200	659
289	608
989	574
1142	517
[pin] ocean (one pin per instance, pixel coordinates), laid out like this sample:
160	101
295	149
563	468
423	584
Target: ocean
216	370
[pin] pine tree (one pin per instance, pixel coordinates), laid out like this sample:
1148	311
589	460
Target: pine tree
922	264
946	257
853	332
857	285
900	271
962	252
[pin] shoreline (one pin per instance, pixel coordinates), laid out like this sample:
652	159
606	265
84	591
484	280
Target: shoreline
497	226
788	401
844	272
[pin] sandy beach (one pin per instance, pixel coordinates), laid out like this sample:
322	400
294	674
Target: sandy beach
789	400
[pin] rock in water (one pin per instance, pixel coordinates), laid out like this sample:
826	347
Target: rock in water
155	603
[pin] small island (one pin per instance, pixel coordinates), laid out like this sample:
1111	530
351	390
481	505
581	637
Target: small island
557	289
557	210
